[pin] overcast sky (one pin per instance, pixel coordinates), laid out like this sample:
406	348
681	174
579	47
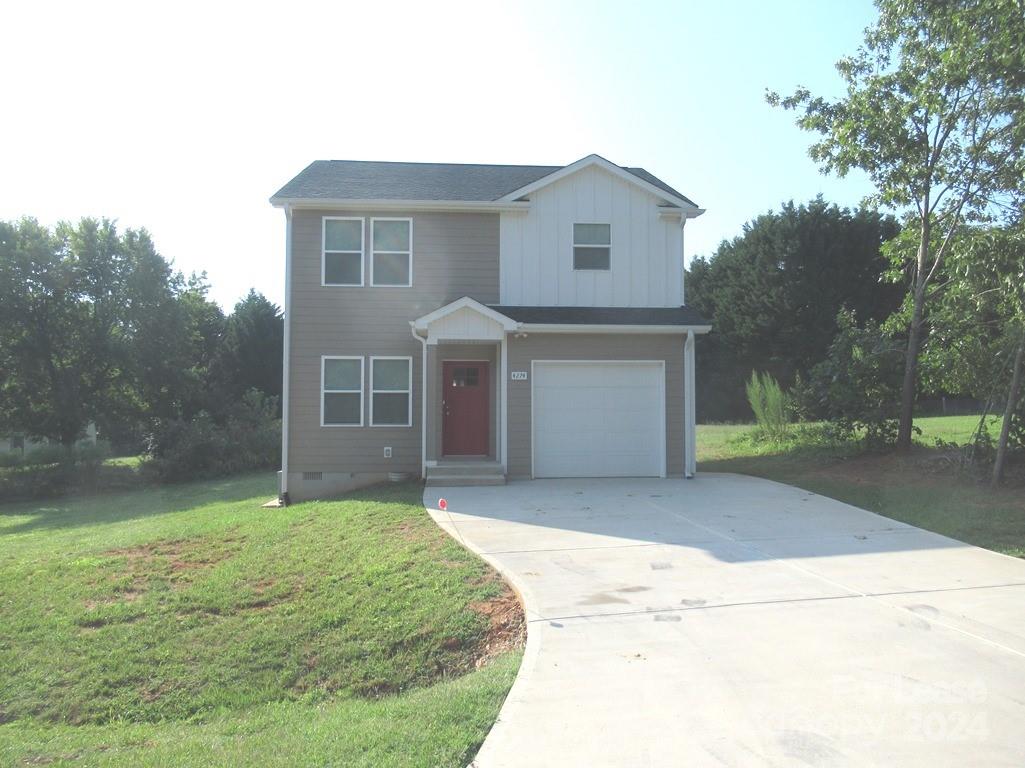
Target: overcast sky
185	118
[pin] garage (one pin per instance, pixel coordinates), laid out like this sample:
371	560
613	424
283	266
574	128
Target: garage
598	418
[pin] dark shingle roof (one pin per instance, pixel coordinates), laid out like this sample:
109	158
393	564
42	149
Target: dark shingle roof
371	180
603	315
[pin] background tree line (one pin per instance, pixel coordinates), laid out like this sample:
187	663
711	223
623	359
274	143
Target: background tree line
97	327
934	114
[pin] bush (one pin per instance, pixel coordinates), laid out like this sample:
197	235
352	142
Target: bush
248	437
10	458
771	406
48	453
857	387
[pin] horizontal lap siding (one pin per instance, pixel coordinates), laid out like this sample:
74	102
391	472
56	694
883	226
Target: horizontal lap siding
538	346
454	255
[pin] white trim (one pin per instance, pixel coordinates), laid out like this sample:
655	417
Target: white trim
286	352
423	402
408	253
664	451
409	390
688	209
324	251
689	419
582	328
503	418
606	246
507	323
335	203
362	388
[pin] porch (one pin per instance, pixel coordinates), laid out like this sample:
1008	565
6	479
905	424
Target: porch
464	392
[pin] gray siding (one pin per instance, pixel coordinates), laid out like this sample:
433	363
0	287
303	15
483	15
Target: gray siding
454	255
593	347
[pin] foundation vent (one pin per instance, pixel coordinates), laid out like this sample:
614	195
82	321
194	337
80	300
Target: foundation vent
313	475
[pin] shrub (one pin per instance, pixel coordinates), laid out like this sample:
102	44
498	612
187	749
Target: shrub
857	387
10	458
247	437
48	453
771	406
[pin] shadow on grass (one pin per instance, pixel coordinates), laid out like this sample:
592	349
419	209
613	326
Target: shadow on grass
99	507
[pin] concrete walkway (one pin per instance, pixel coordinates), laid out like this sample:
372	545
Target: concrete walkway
733	621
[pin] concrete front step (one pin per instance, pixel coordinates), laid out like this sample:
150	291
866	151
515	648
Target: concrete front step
465	470
462	480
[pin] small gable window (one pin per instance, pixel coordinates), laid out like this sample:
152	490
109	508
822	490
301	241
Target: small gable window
592	246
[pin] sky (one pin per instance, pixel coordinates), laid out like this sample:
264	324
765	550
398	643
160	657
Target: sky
184	118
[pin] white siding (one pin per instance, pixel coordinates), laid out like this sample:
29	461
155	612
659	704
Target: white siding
464	325
536	247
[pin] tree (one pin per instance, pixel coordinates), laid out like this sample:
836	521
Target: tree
96	326
932	114
773	294
61	310
251	355
978	341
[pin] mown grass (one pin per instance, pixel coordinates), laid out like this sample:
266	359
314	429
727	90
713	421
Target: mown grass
926	488
187	625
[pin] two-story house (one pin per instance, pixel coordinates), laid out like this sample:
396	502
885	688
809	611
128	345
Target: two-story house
469	323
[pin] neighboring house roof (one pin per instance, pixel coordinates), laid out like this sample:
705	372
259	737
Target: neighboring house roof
373	180
603	315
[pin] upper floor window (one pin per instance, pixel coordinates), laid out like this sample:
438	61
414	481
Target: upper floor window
342	262
592	246
391	247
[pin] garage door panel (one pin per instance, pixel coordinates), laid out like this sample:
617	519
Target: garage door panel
598	419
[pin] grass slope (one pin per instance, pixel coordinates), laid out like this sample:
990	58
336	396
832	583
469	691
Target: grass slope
924	488
186	625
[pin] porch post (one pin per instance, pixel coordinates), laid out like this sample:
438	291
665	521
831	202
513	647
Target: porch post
689	418
503	419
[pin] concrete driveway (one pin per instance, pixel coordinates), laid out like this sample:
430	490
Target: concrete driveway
728	620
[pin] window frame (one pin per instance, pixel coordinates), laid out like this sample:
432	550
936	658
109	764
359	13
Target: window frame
591	245
324	251
409	390
408	253
324	391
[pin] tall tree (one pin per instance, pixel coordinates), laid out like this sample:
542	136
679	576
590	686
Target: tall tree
251	356
933	114
773	294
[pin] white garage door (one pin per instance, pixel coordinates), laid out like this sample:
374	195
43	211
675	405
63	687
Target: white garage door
599	419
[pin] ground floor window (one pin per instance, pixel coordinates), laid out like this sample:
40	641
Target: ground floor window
391	391
341	403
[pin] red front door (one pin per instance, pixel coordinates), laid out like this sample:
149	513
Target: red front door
465	406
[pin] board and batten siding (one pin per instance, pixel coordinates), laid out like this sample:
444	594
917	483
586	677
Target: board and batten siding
558	346
454	255
537	247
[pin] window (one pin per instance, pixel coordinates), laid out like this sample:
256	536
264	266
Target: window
391	391
342	262
592	246
391	245
341	403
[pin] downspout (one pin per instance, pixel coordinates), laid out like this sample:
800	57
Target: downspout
689	417
423	401
286	346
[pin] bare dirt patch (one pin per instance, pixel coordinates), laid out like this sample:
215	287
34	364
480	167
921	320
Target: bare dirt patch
507	626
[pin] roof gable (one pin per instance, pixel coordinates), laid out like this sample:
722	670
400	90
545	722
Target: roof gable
631	176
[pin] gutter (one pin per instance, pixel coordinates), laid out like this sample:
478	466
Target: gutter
305	203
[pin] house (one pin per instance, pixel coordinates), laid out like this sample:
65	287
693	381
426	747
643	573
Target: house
472	323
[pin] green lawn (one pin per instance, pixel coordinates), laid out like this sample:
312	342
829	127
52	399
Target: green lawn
186	625
925	488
